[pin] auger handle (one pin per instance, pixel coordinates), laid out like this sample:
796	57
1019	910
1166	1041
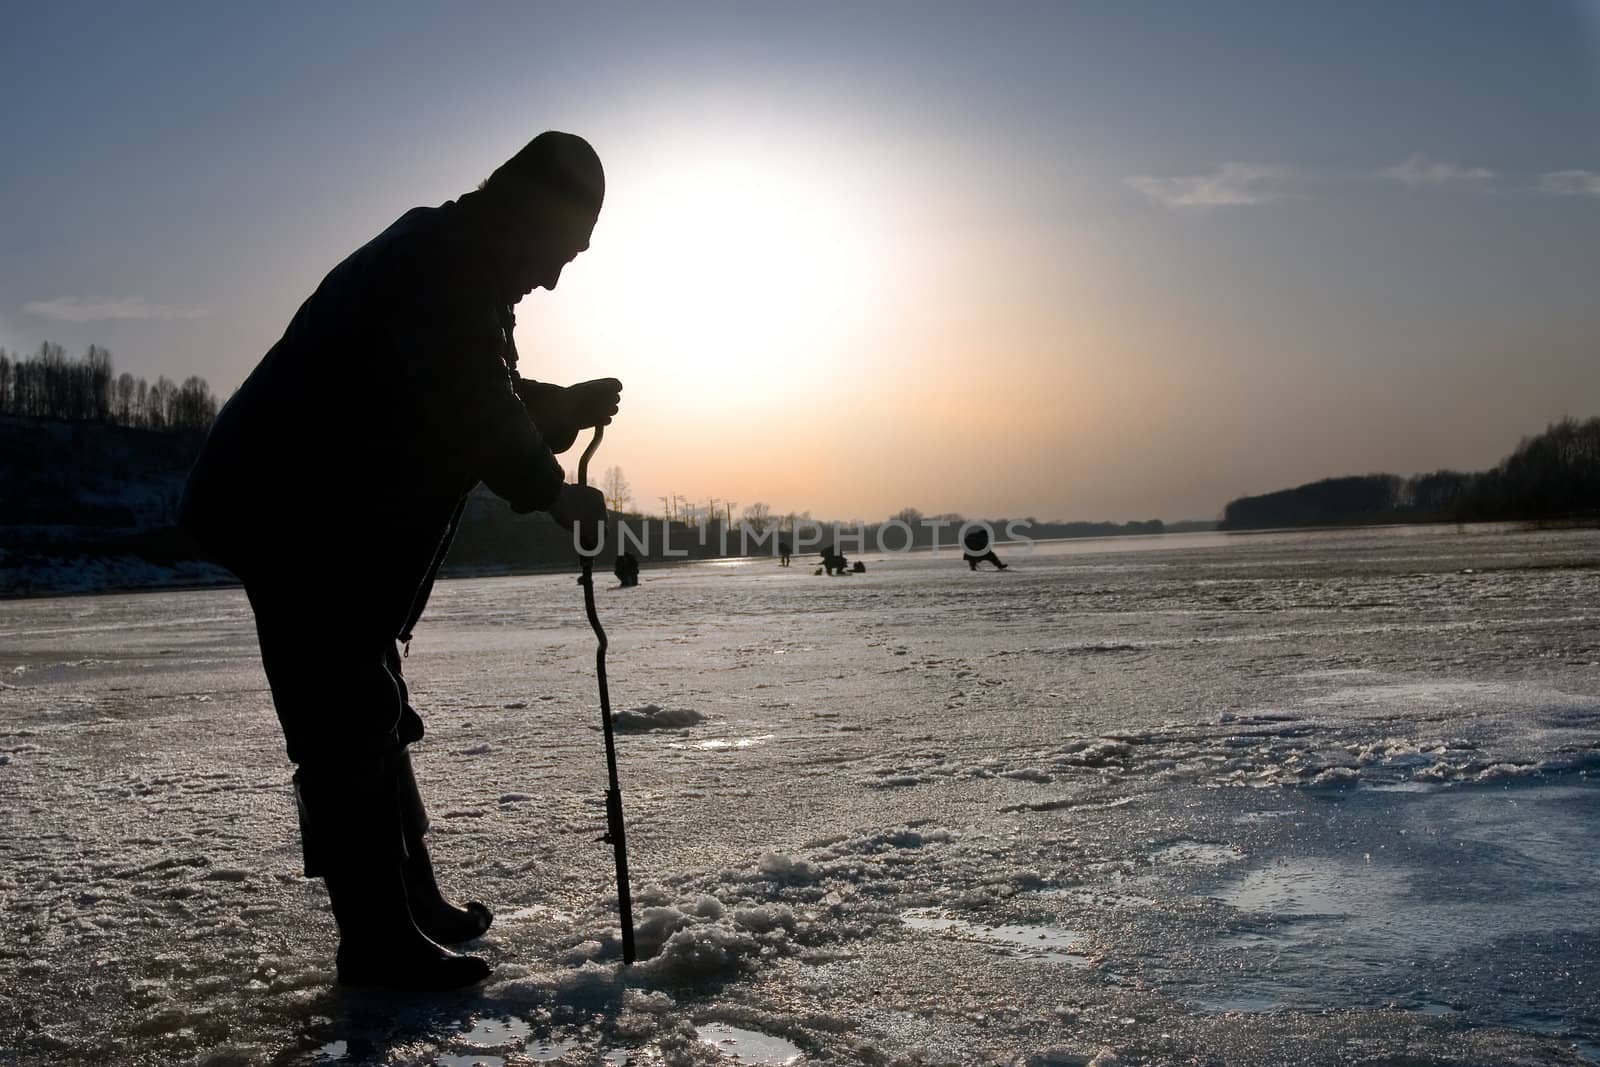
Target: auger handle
616	832
583	463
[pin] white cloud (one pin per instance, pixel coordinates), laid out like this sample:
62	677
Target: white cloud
1230	185
1571	183
10	340
1419	171
97	309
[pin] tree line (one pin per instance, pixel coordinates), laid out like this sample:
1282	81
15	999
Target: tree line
1555	474
50	384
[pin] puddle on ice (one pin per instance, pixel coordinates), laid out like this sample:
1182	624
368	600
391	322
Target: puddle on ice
1198	853
1471	902
491	1042
721	743
749	1046
1029	940
1317	887
493	1033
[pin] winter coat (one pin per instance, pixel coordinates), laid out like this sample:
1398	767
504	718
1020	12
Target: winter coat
349	450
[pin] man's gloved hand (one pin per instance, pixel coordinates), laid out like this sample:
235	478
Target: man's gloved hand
581	508
561	414
593	403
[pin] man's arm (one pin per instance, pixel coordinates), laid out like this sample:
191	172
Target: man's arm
547	406
449	359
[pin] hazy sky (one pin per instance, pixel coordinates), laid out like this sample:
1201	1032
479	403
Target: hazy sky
1075	260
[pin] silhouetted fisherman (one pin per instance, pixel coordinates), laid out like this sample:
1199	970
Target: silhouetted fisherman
979	550
833	562
783	553
332	483
627	569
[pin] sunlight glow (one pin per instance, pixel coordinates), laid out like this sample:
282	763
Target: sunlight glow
738	271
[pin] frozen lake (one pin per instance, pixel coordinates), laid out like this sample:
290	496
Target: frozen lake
1282	798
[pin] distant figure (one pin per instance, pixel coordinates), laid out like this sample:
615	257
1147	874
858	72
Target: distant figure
858	567
627	570
978	550
783	553
332	483
834	562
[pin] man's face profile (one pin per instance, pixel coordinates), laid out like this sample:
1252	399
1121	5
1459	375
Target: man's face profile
555	235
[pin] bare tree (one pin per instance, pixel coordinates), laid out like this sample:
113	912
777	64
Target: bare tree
96	378
122	409
759	516
192	407
615	487
158	404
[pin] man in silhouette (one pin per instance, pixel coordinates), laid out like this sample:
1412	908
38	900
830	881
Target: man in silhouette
976	549
627	569
332	483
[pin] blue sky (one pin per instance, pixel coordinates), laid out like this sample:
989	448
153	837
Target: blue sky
1083	260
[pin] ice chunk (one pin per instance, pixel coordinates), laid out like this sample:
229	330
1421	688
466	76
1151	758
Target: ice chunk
655	717
781	868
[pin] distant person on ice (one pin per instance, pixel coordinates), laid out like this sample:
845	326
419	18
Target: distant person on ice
977	549
332	483
627	569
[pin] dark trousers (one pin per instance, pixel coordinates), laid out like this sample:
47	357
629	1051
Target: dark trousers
332	658
330	650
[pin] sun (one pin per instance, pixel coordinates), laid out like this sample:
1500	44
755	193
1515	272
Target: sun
740	269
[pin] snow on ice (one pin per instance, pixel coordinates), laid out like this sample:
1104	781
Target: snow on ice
1314	798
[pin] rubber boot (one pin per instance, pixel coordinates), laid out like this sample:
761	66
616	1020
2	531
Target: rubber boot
351	827
379	945
434	914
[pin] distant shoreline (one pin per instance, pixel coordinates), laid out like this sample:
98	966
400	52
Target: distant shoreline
470	572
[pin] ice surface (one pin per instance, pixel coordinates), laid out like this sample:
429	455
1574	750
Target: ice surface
1323	792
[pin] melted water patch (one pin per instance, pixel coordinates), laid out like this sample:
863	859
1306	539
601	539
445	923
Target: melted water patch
495	1033
1470	902
469	1059
1319	887
1027	940
749	1046
1198	853
719	744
